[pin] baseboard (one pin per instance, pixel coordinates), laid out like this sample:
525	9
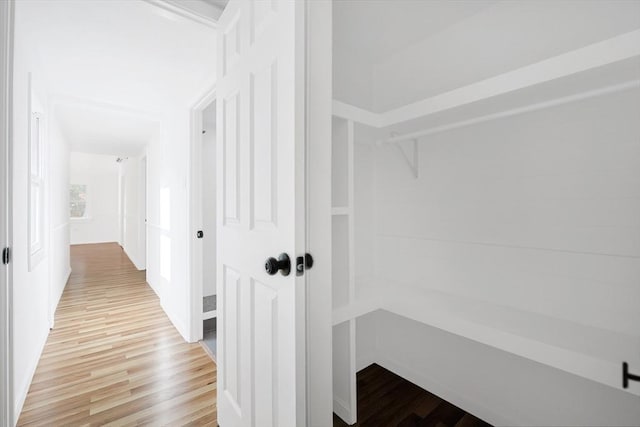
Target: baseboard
460	400
24	390
59	297
364	362
208	351
22	396
153	287
180	326
133	260
341	408
91	242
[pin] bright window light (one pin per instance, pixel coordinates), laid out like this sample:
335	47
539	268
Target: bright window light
78	201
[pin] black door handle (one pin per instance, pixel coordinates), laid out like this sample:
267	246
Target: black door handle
283	263
303	263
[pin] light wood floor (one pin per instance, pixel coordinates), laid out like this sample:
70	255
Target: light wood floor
114	358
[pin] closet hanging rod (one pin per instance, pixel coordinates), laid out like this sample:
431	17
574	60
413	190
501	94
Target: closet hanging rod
514	112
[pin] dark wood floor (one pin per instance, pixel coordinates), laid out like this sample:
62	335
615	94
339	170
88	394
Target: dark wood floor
387	400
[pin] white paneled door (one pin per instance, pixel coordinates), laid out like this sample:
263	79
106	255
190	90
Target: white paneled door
260	160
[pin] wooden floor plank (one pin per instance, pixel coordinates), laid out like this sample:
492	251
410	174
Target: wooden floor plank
114	358
388	400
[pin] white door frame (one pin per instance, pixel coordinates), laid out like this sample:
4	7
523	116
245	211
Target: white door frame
6	86
142	212
319	98
121	196
194	185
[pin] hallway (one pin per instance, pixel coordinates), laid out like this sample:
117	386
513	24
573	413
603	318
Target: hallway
113	357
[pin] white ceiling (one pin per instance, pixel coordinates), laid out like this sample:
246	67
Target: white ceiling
375	29
100	130
128	54
367	32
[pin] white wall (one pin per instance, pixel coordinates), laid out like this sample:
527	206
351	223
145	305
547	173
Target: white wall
132	223
35	292
538	213
352	79
30	288
100	174
494	385
167	214
365	216
60	263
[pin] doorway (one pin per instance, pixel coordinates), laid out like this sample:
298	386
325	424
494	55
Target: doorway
208	236
203	220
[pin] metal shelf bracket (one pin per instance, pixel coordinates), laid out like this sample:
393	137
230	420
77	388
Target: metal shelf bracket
410	153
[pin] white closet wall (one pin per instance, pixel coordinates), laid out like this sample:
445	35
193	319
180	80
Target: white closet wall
526	226
365	229
538	213
498	386
492	255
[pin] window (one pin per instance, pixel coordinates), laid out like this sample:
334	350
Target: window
36	192
78	201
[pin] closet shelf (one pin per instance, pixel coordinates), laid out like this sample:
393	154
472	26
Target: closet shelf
592	57
209	315
355	309
415	136
209	307
582	350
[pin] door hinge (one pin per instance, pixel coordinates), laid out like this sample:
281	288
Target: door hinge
6	256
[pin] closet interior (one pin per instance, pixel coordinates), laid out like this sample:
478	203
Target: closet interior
486	204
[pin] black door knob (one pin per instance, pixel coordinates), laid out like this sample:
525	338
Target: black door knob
283	263
308	261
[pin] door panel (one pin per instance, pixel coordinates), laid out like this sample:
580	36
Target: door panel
264	150
231	311
230	41
261	13
265	345
261	369
230	142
